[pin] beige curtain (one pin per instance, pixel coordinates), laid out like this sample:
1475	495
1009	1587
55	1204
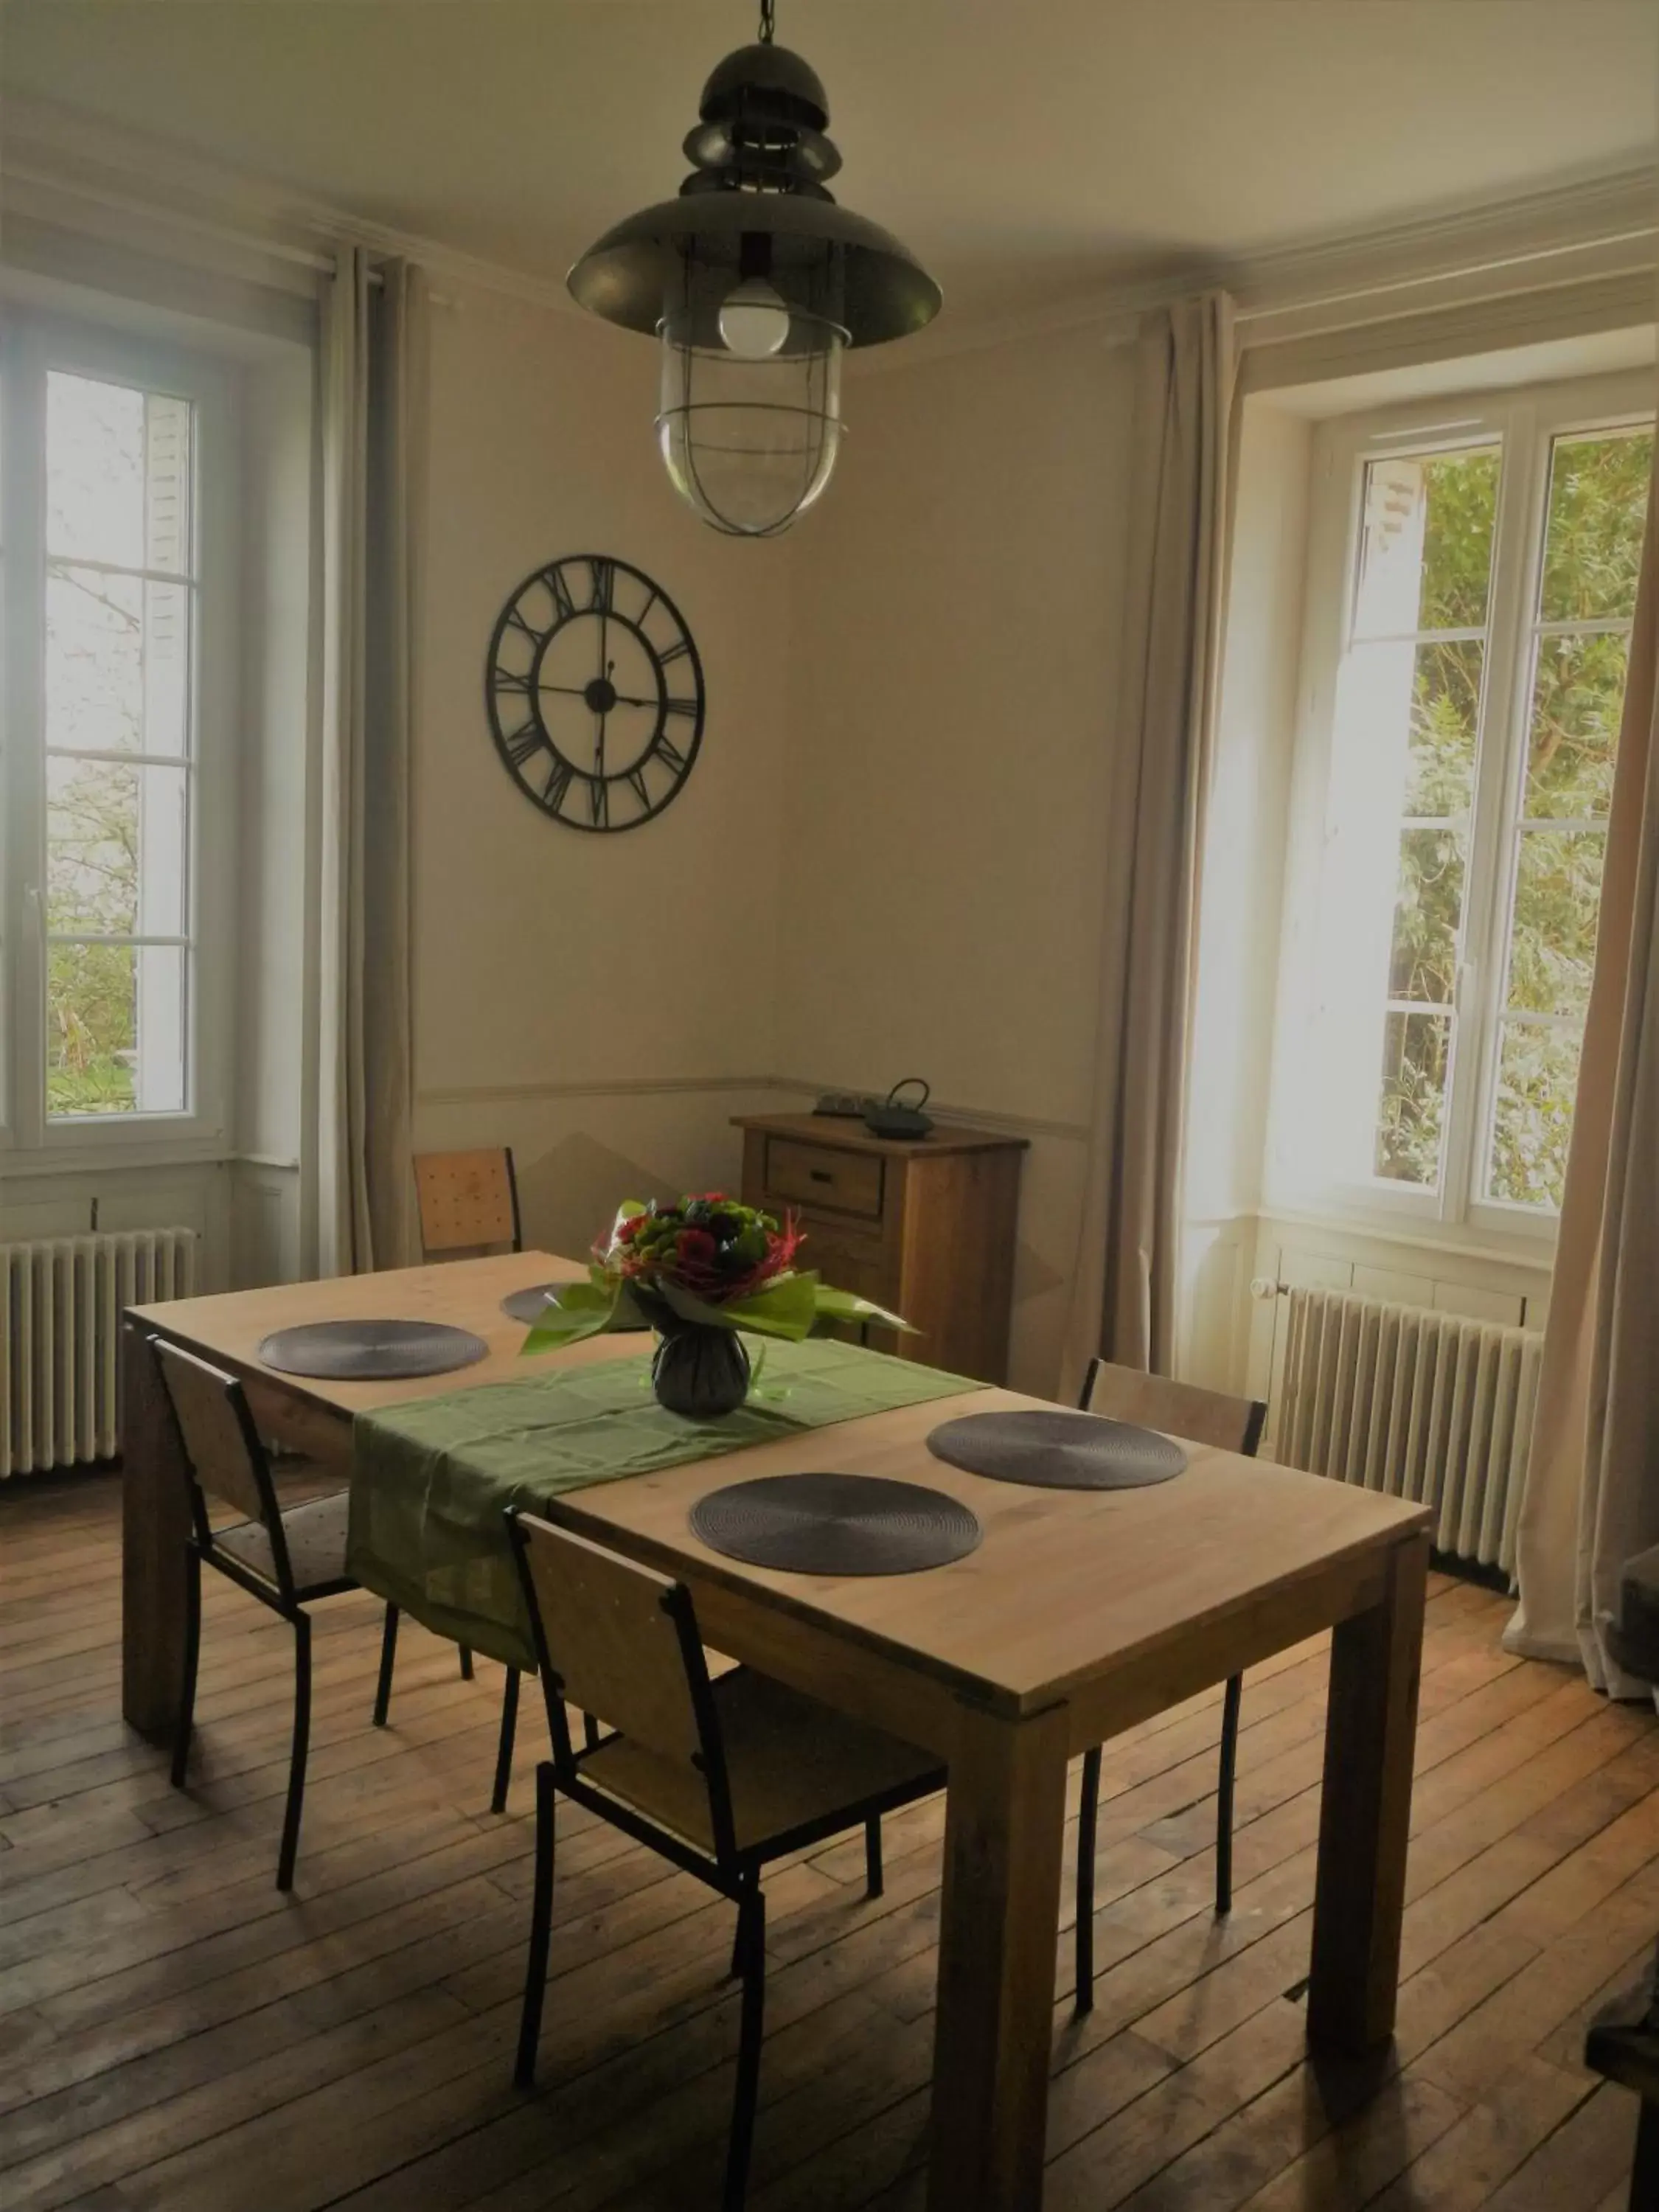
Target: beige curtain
372	422
1124	1291
1592	1494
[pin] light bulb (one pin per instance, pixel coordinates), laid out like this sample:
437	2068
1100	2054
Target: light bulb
753	321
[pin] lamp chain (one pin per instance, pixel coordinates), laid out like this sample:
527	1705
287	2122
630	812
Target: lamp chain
768	21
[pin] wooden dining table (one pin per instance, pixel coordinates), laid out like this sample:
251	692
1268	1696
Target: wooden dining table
1079	1614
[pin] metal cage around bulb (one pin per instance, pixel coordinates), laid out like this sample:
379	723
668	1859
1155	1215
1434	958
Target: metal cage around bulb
749	441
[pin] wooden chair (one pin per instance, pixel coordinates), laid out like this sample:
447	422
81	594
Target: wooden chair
1203	1417
468	1201
720	1776
1625	2050
286	1557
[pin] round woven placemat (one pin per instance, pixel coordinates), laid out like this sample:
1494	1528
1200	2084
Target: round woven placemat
836	1524
1057	1450
528	1306
371	1351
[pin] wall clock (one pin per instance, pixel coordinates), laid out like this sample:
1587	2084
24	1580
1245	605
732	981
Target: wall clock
595	693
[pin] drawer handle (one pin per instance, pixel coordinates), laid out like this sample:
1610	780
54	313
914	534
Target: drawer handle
821	1174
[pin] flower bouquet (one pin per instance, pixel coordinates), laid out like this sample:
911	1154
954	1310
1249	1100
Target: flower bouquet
697	1273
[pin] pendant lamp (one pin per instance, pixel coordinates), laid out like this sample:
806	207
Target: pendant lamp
755	282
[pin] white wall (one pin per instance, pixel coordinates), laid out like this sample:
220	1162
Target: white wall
601	1003
885	862
957	625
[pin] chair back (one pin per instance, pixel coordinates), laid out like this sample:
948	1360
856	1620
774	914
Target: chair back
1179	1409
621	1643
223	1455
467	1201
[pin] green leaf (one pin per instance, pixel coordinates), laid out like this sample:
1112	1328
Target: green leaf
786	1306
847	1306
790	1306
578	1309
688	1306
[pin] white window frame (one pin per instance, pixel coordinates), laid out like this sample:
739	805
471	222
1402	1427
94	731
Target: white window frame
1525	423
31	347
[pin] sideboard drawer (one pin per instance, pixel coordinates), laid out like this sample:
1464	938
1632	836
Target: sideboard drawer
819	1176
852	1259
928	1230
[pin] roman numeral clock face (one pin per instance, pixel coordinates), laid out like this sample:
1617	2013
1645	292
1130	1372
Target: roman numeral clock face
595	693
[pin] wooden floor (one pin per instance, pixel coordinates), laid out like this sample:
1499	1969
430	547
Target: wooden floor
175	2034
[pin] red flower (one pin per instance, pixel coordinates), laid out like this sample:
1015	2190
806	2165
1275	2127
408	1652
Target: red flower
696	1248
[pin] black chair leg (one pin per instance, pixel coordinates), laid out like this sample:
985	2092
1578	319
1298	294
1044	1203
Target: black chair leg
466	1663
1088	1815
541	1925
873	1876
1223	1796
192	1655
1644	2173
751	1935
296	1766
504	1749
590	1733
388	1657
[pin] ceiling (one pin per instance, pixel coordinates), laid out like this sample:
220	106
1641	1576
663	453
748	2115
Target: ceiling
1026	153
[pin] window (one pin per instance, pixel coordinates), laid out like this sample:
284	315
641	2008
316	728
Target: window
115	754
1470	602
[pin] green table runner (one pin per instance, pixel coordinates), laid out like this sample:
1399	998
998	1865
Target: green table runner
432	1478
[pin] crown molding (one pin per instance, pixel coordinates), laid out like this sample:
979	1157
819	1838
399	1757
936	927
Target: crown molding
1588	229
1592	226
121	174
1617	208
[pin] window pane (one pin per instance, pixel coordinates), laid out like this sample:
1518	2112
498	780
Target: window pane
117	474
1557	894
116	849
1445	718
92	847
115	1029
1577	694
1428	911
1593	535
117	663
1537	1077
1415	1051
1426	543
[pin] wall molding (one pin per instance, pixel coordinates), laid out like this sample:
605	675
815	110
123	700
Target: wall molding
626	1086
1599	225
1592	229
520	1094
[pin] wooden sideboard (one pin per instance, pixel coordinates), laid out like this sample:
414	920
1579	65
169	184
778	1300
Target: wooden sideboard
926	1229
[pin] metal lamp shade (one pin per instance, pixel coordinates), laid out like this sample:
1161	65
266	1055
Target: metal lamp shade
821	259
749	443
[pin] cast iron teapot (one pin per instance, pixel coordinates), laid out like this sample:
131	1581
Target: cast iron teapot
891	1119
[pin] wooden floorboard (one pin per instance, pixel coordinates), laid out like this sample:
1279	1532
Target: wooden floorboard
176	2037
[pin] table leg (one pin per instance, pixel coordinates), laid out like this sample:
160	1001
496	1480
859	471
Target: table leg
1005	1823
1370	1740
154	1521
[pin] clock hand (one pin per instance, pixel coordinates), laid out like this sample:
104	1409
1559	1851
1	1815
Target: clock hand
580	691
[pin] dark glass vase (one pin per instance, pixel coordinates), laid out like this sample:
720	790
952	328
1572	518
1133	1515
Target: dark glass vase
700	1371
